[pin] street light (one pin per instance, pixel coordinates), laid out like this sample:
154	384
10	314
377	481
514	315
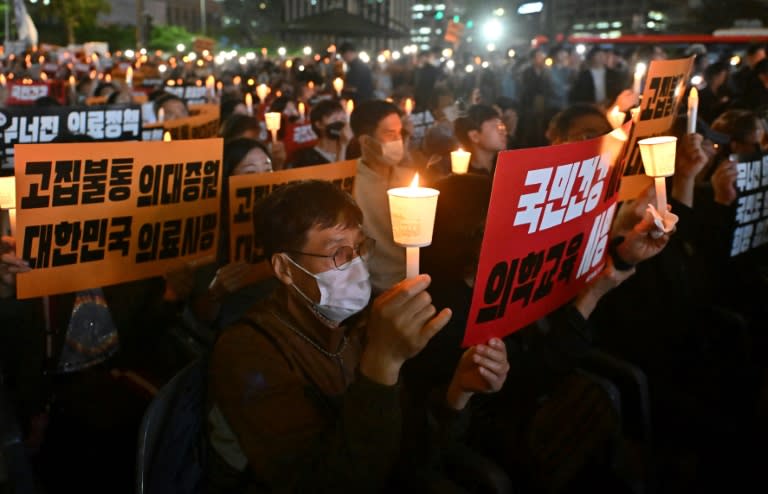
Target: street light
492	30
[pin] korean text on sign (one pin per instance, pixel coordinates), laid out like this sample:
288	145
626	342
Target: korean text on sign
546	233
751	207
95	214
246	190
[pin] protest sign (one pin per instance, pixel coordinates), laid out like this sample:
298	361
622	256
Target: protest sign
751	229
192	95
96	214
546	232
25	94
298	136
29	125
663	92
246	190
202	123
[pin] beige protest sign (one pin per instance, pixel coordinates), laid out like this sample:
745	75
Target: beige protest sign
663	92
247	190
202	123
96	214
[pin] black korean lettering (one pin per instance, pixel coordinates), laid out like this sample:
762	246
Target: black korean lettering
555	253
171	186
261	192
66	237
40	236
208	235
243	213
94	240
149	241
171	236
192	227
149	185
566	268
34	199
529	270
66	183
192	181
647	112
210	179
120	175
95	181
120	234
497	290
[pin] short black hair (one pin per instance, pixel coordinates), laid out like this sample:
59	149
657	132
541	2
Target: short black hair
323	109
474	118
346	46
228	105
562	121
236	149
237	124
282	220
753	48
367	115
164	98
761	67
737	124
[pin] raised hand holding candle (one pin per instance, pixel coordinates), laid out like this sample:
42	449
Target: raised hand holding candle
460	161
616	117
658	155
639	73
412	212
338	86
408	106
249	104
350	107
210	84
272	120
167	136
693	110
129	76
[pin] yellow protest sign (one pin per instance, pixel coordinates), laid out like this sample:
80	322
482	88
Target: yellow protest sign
247	190
96	214
202	123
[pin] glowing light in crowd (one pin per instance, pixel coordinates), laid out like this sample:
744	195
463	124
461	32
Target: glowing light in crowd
364	57
307	50
735	60
447	53
696	80
167	136
492	30
511	53
282	51
129	53
250	55
450	64
381	59
395	55
581	49
192	56
180	47
490	46
469	68
485	64
530	8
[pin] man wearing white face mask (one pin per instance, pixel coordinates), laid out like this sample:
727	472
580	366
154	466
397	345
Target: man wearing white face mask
379	129
304	395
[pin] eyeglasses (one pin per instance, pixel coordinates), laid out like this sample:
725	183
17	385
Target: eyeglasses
346	253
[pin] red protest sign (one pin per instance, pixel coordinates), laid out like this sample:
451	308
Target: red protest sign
298	136
546	233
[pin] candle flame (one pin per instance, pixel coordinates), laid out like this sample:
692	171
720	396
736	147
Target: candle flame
166	136
108	78
237	80
2	79
302	108
640	69
408	105
210	82
350	106
694	94
311	85
415	181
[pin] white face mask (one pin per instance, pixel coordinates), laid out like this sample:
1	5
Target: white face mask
392	152
342	293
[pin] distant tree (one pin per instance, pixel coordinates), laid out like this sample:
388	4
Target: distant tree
72	14
167	37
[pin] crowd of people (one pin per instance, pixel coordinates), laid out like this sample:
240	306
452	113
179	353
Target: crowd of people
328	370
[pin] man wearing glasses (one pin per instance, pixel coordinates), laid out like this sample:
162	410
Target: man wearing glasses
304	392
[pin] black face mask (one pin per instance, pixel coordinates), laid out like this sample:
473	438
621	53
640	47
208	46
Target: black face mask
333	130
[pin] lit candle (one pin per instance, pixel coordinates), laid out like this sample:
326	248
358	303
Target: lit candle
412	212
338	86
272	120
2	80
302	110
8	201
161	115
167	136
350	107
210	84
408	106
249	104
616	117
262	91
108	78
237	80
658	155
634	114
43	76
639	73
129	76
219	88
693	110
460	161
73	89
311	85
